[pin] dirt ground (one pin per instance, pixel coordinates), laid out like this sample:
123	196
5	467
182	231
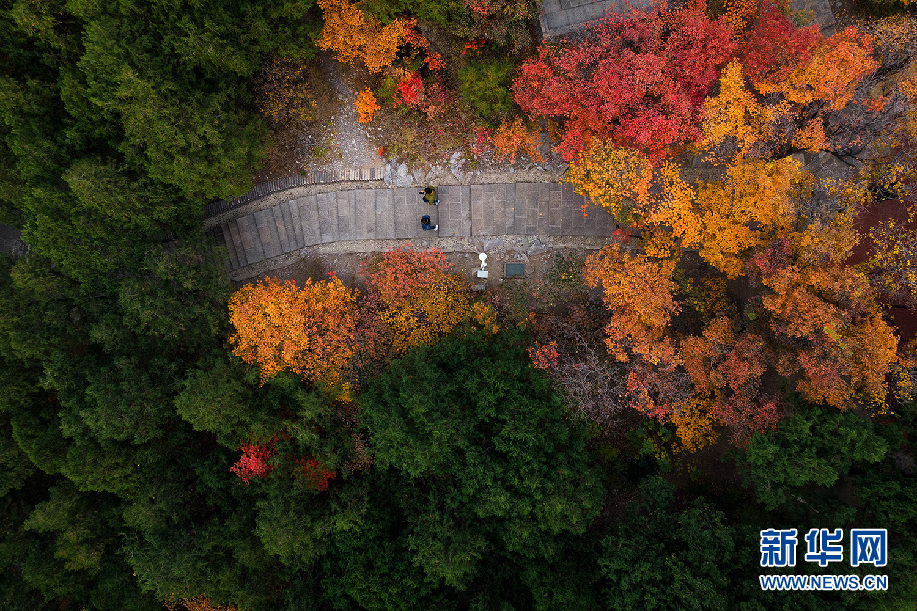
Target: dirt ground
461	255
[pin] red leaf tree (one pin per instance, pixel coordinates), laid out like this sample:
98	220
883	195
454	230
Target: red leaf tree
254	461
640	81
775	47
417	298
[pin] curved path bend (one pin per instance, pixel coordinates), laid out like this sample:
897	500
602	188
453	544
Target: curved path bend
546	210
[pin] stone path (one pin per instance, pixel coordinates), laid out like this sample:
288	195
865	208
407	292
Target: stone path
820	11
521	209
560	17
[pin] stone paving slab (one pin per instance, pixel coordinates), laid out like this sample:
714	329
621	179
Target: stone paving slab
327	217
248	236
521	209
385	214
308	213
230	248
282	224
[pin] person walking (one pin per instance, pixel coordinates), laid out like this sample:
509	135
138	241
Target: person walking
429	196
425	224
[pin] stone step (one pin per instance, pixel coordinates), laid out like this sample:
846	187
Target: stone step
529	209
294	227
308	214
344	202
326	208
284	227
236	241
363	220
230	247
385	213
248	237
267	231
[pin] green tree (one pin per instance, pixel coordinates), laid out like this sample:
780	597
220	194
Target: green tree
814	446
662	558
489	463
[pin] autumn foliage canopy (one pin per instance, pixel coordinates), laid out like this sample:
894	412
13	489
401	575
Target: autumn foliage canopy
308	330
418	299
640	82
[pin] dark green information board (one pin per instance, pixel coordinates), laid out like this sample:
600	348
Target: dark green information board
514	270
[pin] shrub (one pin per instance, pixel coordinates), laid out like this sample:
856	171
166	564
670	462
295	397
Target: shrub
484	86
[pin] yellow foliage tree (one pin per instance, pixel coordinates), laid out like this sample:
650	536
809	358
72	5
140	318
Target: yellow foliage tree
615	178
749	209
308	330
735	113
694	423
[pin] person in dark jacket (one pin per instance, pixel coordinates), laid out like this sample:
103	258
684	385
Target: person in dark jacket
429	196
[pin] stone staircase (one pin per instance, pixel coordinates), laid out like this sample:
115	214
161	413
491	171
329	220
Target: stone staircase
522	209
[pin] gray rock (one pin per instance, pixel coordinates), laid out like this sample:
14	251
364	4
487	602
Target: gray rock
492	244
403	170
536	248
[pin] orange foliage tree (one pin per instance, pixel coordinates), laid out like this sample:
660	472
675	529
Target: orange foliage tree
824	318
418	299
366	105
513	137
352	36
837	66
638	292
308	330
814	320
806	77
831	75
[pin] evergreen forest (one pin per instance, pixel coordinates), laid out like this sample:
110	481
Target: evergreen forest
738	357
